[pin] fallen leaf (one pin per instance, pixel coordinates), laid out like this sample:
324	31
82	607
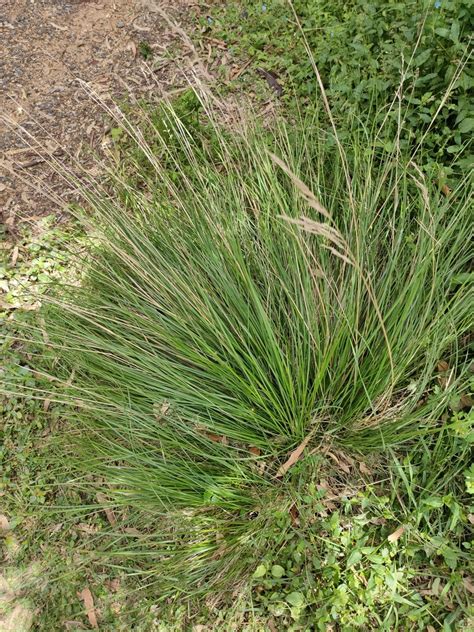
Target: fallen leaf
132	531
102	499
113	584
271	626
46	405
255	451
87	528
14	256
364	469
216	438
470	517
294	457
4	524
344	467
74	625
446	190
294	515
236	74
131	46
468	585
442	366
393	537
88	600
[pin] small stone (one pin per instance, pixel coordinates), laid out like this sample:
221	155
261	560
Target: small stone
120	24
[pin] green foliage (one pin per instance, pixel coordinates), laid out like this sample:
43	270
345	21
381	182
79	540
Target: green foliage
211	336
145	49
363	49
215	330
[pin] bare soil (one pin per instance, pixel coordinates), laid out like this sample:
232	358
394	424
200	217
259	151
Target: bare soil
51	49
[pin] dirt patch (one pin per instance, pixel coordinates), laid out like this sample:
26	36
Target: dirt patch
48	48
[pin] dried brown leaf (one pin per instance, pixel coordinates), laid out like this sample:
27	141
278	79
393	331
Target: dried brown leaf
396	535
468	585
132	47
14	256
294	515
364	469
294	457
344	467
102	499
217	438
132	531
87	528
86	596
4	524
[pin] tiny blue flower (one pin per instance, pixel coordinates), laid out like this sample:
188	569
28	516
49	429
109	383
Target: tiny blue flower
437	4
264	7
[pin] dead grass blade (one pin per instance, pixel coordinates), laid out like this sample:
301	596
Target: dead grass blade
308	195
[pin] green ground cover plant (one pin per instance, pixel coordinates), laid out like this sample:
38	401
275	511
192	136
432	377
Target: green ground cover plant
368	53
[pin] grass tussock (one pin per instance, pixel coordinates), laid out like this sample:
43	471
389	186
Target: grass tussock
251	294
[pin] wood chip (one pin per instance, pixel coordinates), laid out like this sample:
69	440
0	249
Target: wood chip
396	535
294	457
86	596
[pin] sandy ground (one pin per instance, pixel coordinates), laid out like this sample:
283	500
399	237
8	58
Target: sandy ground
47	49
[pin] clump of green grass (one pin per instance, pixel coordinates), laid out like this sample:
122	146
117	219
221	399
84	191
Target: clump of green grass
269	293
